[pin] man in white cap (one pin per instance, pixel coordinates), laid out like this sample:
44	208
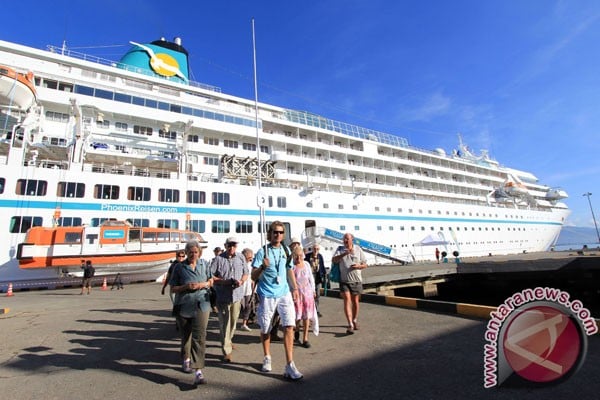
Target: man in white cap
229	274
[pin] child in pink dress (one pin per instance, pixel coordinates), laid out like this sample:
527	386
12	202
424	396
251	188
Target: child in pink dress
305	306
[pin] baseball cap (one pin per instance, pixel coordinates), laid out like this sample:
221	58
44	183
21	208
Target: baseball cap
295	240
231	240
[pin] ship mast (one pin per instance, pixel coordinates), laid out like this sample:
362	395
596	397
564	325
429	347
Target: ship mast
260	197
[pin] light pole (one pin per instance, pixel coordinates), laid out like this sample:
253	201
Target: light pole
588	194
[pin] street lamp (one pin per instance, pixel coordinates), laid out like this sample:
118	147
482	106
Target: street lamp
588	194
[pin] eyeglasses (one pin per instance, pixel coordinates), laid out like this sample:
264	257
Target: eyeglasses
180	255
278	232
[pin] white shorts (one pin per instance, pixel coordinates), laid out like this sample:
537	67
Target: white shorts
266	309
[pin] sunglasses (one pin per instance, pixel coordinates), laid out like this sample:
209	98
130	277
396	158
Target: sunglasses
180	255
278	232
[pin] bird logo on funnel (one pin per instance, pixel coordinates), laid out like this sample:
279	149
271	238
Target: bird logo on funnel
163	64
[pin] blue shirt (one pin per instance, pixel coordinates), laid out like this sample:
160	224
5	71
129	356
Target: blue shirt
273	280
191	301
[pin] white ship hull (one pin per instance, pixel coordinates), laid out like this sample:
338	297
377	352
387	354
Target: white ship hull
83	156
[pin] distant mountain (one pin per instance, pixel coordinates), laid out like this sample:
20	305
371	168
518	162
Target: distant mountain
572	235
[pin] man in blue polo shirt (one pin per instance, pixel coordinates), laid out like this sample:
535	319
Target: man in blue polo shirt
277	290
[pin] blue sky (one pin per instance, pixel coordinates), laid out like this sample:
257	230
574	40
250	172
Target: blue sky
519	78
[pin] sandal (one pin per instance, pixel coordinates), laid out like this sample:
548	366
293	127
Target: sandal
356	326
349	331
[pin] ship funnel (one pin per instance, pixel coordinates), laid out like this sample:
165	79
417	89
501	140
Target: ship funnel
147	57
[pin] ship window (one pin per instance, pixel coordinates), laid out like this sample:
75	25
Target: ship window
376	208
309	204
70	189
220	226
355	207
168	195
72	237
357	227
220	198
281	202
85	90
340	206
123	98
69	221
99	221
2	183
391	228
325	205
107	192
31	187
168	223
163	237
139	222
196	197
379	227
22	224
104	124
163	106
149	236
138	193
243	227
142	130
192	138
134	235
211	160
197	225
138	101
176	108
342	227
104	94
167	134
120	126
50	84
232	144
249	146
187	110
211	141
151	103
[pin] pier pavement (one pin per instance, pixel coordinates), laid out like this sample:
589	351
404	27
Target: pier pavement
123	344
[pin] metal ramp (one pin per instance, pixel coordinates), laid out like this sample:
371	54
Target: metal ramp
314	235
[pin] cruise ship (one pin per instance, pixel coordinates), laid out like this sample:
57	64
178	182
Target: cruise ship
86	140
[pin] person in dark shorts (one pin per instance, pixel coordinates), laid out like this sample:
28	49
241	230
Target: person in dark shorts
351	260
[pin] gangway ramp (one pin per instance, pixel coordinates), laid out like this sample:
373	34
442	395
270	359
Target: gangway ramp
315	235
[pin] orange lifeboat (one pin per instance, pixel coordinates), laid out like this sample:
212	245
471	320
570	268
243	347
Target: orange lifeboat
113	247
16	89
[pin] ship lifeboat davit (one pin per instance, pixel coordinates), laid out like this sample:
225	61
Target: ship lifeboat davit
16	89
556	194
515	189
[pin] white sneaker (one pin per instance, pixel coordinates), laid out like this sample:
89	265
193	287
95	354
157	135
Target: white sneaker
266	367
291	372
199	378
245	328
186	366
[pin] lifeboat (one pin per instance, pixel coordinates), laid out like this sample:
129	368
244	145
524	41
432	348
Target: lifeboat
113	247
515	189
16	89
556	194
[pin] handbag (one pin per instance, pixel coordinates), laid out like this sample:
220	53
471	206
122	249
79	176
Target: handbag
334	273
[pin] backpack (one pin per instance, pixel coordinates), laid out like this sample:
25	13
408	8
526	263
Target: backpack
92	271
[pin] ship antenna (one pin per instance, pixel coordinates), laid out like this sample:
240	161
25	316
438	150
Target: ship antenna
260	198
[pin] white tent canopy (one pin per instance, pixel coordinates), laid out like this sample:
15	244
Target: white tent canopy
432	240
